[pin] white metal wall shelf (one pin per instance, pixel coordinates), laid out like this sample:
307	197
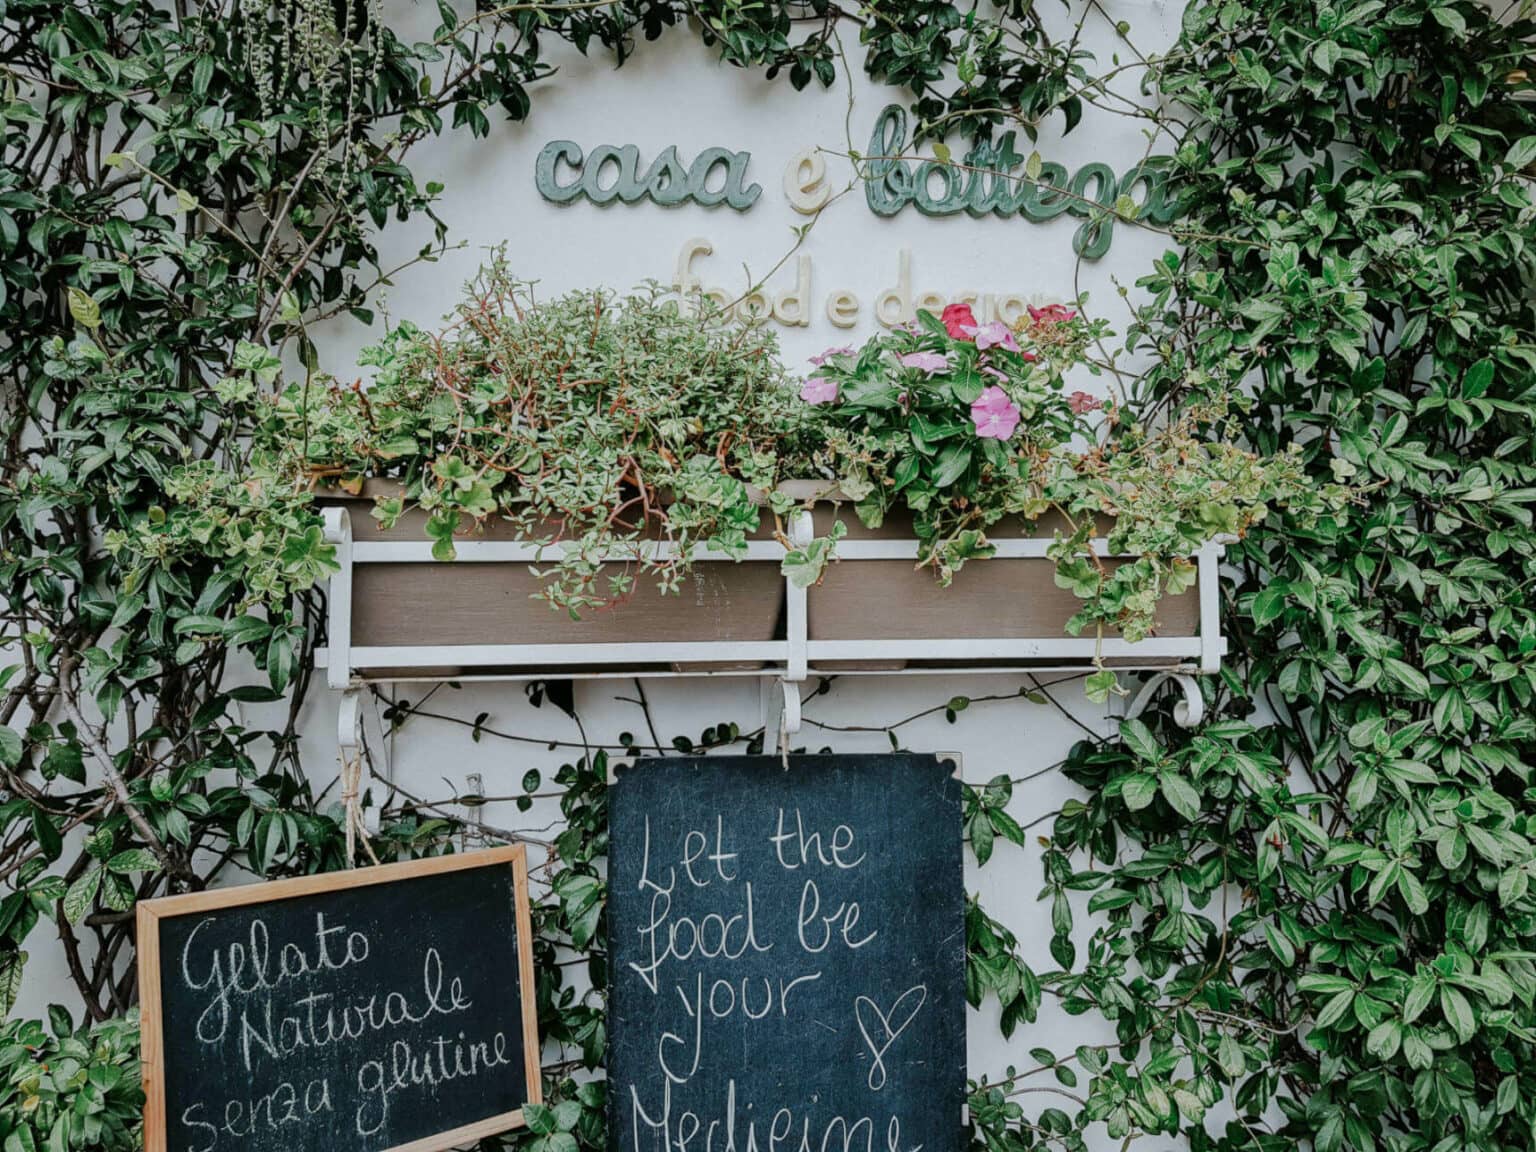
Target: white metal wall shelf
788	661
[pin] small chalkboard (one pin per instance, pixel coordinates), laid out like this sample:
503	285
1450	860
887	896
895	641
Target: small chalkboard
390	1008
788	955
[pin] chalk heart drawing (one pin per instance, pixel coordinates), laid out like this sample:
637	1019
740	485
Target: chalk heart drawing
880	1029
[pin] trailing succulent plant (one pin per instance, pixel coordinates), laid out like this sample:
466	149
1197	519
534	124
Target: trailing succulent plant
596	424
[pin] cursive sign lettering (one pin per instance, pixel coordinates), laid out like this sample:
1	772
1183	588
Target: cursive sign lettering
985	182
364	1011
778	984
716	176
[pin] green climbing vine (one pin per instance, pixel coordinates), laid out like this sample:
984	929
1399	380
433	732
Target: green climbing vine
1308	923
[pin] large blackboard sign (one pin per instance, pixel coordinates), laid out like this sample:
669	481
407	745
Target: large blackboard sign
788	955
387	1008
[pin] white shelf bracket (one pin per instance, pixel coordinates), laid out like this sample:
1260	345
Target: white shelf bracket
802	530
1213	646
338	625
1187	713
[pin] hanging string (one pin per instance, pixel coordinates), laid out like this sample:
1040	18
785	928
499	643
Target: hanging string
352	807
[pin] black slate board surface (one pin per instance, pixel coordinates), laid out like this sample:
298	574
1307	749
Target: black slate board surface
788	955
358	1018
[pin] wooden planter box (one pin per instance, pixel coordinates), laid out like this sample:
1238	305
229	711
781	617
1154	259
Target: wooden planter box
401	599
395	613
1000	598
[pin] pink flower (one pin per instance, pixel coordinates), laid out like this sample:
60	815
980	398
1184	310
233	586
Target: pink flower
1051	314
818	390
991	371
1083	403
822	357
994	415
959	321
995	333
929	362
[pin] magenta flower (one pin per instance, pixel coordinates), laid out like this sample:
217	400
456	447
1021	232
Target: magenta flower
995	334
1051	314
959	321
1083	403
929	362
822	357
994	415
818	390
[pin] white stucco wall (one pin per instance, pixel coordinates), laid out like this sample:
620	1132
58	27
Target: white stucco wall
673	92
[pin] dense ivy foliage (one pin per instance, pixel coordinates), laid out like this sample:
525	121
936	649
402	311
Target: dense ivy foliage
166	217
77	1085
1309	924
593	419
1317	911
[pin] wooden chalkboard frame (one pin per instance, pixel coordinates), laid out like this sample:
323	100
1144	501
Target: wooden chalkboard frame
152	1040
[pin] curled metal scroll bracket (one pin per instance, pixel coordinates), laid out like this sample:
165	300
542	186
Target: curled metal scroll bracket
349	724
781	714
1187	713
790	717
